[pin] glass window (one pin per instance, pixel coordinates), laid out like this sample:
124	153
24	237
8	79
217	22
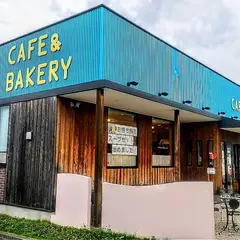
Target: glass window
189	153
4	112
162	136
199	154
122	139
210	147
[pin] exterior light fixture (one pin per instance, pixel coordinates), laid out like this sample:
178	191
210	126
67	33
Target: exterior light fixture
235	117
75	105
187	101
132	83
221	113
206	108
162	94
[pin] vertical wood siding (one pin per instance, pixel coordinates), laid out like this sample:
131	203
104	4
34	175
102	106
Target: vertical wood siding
200	131
30	164
231	137
76	148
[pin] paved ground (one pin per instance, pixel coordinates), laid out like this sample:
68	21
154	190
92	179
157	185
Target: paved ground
228	234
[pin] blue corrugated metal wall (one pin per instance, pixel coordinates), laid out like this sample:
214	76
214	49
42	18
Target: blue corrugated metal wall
130	54
104	45
79	37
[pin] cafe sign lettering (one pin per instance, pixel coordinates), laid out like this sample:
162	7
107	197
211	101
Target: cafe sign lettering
36	74
236	105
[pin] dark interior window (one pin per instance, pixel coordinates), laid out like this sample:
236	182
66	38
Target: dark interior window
189	153
199	154
162	136
210	147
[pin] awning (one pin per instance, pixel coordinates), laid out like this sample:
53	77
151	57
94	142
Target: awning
229	124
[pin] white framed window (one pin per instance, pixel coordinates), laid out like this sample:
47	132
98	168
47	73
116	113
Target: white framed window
4	117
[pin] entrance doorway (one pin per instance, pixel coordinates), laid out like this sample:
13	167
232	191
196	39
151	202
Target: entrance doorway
236	167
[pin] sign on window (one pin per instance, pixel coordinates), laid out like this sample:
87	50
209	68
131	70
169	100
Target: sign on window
124	150
120	139
122	130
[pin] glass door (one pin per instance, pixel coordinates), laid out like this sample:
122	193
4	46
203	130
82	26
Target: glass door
224	167
236	167
227	167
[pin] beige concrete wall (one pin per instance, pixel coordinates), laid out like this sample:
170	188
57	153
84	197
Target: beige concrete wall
73	200
21	212
182	210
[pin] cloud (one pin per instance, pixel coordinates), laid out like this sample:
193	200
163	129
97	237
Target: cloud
207	30
23	16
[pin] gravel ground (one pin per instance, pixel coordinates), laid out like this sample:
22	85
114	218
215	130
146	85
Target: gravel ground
228	234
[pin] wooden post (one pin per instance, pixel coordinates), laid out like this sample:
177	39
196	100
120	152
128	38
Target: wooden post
177	155
97	195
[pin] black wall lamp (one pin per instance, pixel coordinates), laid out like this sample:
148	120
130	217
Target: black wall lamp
206	108
187	101
132	83
235	117
162	94
221	113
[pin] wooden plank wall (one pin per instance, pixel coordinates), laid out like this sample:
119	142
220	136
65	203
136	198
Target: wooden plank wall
76	148
231	137
31	171
200	131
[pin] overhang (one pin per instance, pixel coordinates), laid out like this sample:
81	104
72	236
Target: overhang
136	99
229	124
132	100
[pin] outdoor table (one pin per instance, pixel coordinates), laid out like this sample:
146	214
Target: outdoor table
226	200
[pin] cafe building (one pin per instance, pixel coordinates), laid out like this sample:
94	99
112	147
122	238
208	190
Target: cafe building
99	96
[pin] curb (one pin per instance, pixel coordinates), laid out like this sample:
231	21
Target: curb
10	236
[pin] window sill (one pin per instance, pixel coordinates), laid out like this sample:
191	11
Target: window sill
121	167
163	167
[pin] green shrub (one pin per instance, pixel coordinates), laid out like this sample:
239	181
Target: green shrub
45	230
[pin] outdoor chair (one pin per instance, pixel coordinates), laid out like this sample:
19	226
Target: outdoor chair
223	204
234	210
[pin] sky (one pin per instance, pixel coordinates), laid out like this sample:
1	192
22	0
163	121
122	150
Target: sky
207	30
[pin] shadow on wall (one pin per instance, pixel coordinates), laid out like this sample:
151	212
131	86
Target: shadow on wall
180	210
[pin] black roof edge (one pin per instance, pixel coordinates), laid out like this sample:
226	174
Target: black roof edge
110	85
229	123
